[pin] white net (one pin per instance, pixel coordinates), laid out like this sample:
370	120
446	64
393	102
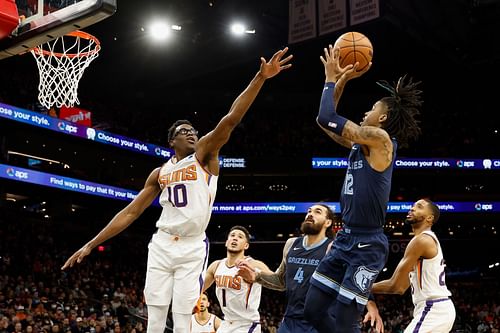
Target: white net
61	63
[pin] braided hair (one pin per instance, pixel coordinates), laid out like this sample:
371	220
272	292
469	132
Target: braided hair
402	105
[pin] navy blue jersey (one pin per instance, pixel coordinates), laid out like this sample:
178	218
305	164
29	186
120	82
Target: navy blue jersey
365	193
301	262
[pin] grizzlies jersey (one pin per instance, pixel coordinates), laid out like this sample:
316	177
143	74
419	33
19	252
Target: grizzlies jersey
301	262
427	279
208	327
239	301
187	197
365	192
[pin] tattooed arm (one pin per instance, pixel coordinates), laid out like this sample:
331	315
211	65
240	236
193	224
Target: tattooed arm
267	278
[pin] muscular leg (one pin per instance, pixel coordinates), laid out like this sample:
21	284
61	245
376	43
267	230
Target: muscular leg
182	322
157	318
316	309
345	318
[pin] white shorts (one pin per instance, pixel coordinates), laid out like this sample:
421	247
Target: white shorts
243	326
176	271
436	316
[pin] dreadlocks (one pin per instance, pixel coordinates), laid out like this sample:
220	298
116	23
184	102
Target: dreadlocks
402	109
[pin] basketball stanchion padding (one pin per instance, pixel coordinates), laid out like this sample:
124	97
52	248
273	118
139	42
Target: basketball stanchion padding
61	63
9	17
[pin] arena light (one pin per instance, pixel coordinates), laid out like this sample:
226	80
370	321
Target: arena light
160	30
239	29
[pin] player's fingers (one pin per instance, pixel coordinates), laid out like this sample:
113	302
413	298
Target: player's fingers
327	55
287	59
262	61
285	66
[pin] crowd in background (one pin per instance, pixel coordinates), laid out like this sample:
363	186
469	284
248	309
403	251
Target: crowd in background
104	293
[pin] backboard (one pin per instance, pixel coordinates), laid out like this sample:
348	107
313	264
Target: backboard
44	20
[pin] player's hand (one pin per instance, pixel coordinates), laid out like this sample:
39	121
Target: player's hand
352	72
274	66
246	271
373	316
78	256
333	71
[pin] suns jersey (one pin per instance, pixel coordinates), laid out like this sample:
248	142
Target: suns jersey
187	197
208	327
239	300
428	278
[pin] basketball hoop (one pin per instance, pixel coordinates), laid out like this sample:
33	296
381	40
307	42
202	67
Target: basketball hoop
61	63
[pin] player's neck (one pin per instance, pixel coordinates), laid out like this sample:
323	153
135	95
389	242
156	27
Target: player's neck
419	228
232	257
203	316
312	240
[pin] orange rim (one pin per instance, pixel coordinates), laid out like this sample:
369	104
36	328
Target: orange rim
76	33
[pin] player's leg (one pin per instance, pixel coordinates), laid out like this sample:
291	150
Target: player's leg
323	291
158	286
188	281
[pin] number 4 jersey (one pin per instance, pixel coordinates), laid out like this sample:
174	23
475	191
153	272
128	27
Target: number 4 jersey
428	278
187	197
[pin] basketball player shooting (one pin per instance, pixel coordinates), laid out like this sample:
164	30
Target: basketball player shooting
346	274
187	186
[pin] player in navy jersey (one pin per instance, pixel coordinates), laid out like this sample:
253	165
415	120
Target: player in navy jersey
186	184
423	269
346	274
301	256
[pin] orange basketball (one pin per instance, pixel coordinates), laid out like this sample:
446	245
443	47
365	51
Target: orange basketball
354	47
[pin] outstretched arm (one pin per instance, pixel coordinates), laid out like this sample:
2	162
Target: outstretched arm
343	130
121	220
400	281
208	147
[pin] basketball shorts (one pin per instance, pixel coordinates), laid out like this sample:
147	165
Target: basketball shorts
176	270
243	326
436	316
352	265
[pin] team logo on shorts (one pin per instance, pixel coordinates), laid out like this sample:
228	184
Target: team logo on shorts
363	278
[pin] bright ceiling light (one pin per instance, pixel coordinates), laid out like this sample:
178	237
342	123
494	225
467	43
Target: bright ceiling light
238	29
160	30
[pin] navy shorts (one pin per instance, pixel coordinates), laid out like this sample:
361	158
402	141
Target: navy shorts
293	325
352	265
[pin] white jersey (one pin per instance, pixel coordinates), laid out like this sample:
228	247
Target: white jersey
208	327
428	278
239	300
187	197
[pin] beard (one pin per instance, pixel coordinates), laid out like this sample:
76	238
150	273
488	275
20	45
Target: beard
413	220
310	228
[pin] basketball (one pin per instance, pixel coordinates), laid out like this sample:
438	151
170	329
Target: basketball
354	47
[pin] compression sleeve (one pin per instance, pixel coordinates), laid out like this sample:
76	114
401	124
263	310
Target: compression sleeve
327	117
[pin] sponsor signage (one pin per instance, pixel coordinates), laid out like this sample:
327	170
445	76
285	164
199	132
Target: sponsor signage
112	192
417	163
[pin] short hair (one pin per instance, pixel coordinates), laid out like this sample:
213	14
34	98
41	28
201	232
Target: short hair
329	215
243	229
171	130
434	209
402	105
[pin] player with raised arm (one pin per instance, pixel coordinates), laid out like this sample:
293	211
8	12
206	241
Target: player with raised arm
187	183
423	269
345	275
301	256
